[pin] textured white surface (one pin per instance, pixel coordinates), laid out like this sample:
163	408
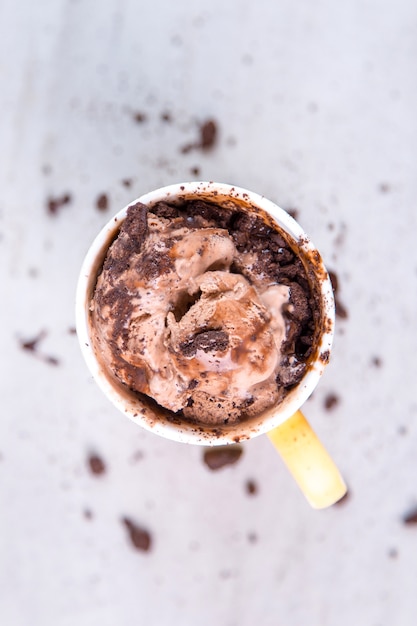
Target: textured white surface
316	104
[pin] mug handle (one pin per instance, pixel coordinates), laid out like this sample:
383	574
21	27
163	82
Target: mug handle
308	461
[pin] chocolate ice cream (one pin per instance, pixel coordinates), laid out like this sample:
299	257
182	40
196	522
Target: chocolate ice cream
205	309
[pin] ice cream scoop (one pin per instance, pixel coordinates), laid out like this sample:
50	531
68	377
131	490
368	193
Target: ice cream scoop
171	320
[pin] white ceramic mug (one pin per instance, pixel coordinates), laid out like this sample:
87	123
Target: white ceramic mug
286	426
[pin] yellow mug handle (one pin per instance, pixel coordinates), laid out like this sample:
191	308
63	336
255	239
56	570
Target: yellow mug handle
308	461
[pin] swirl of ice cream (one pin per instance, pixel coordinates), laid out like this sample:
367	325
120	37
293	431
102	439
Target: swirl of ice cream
173	320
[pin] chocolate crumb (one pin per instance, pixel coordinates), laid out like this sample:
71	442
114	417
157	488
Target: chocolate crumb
88	514
251	487
384	188
252	537
166	116
72	330
102	202
208	134
376	361
31	345
218	457
341	310
96	464
52	360
410	517
331	401
207	140
54	204
138	455
139	117
140	538
294	213
195	171
127	182
393	553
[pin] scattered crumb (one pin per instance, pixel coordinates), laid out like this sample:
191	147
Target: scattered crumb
102	202
312	107
139	117
376	361
127	182
393	553
33	272
32	345
330	226
138	455
72	330
341	310
252	537
331	401
207	140
46	169
88	514
96	464
410	517
208	134
195	171
140	538
52	360
294	213
166	116
384	187
251	487
218	457
54	204
402	430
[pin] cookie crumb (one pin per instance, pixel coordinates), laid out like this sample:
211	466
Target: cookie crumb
54	204
102	202
251	487
218	457
139	117
331	401
96	464
410	517
139	537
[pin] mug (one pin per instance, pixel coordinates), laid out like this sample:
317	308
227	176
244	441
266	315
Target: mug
284	423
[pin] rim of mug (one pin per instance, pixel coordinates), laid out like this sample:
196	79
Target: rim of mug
130	403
